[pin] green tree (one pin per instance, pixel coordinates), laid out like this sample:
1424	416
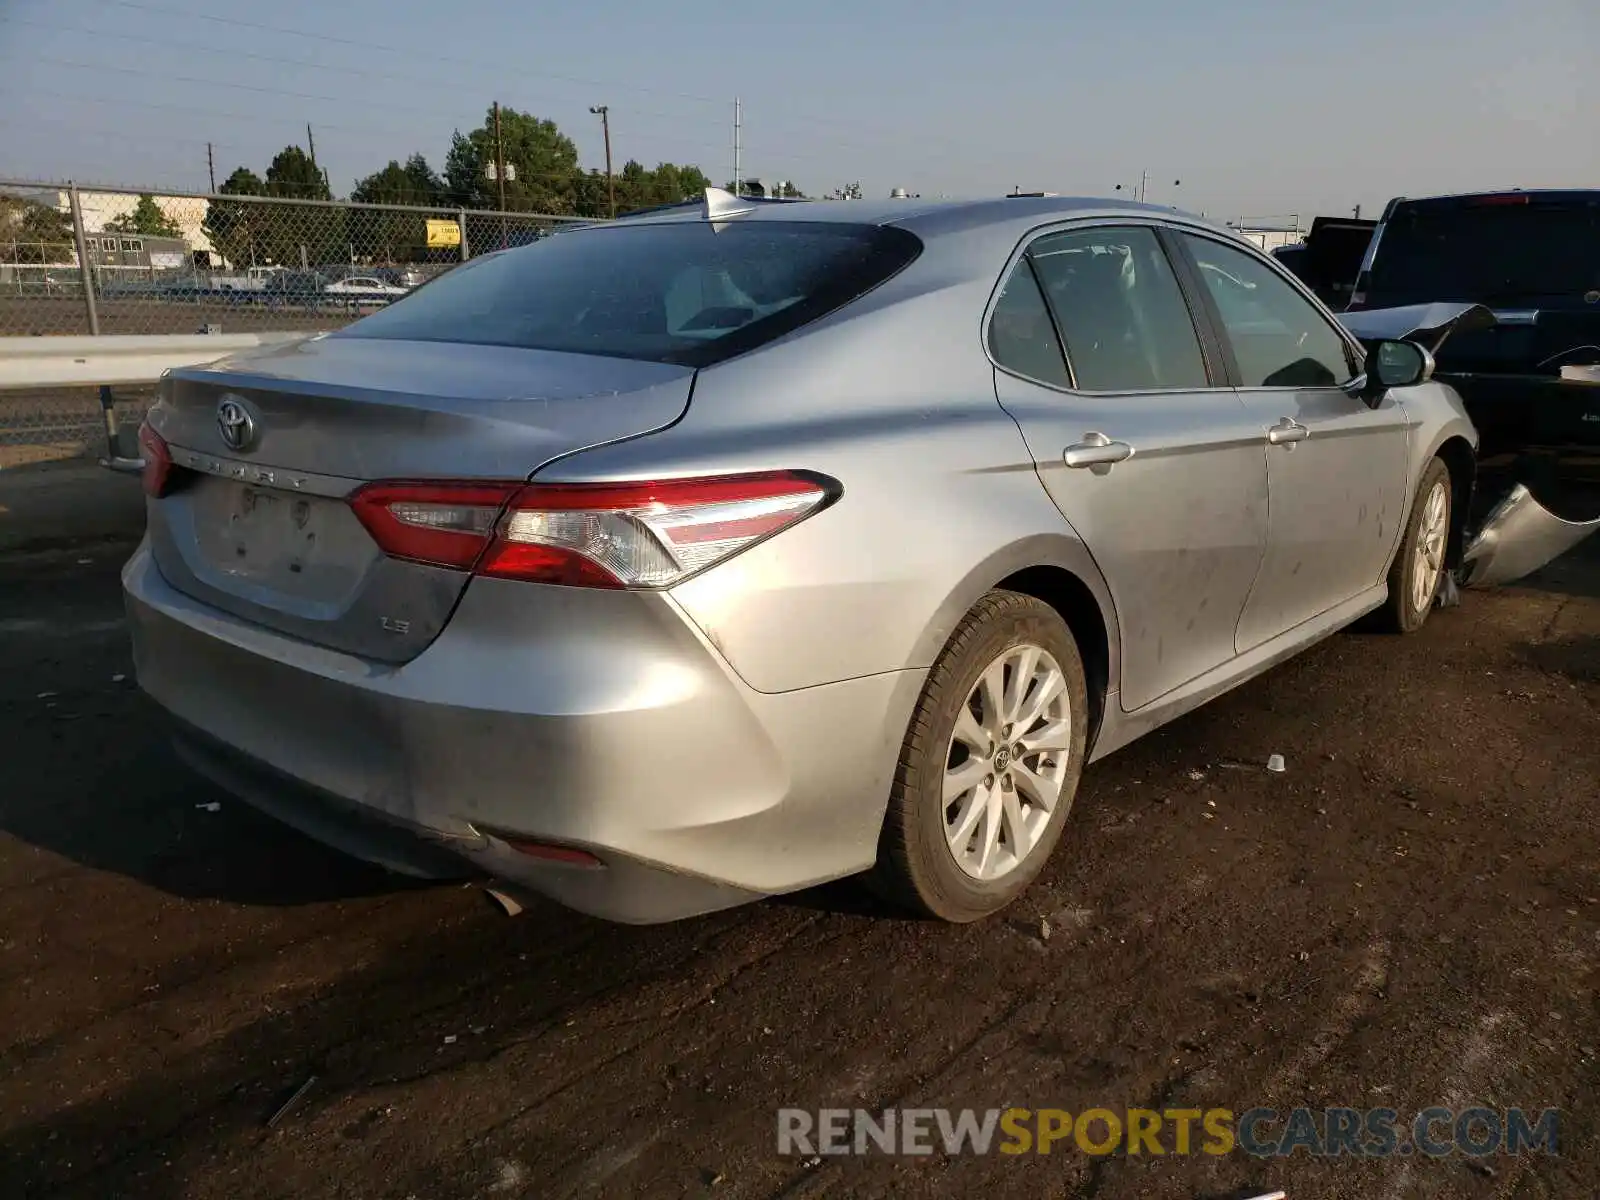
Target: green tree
636	187
236	229
146	218
31	232
590	197
544	160
425	180
394	236
294	234
293	174
681	183
414	183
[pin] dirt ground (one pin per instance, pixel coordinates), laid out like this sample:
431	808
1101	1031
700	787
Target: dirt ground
1409	916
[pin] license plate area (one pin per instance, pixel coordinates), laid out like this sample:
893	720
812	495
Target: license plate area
279	543
273	531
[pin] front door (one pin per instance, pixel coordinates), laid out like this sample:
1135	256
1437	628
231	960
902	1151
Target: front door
1161	473
1336	469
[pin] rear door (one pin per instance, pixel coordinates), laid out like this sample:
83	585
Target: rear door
1151	458
1336	469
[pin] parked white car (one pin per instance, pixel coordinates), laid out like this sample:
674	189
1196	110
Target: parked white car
364	289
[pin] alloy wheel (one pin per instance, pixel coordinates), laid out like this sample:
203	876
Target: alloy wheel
1432	532
1006	762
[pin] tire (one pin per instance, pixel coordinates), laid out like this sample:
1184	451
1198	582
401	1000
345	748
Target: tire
1428	527
918	866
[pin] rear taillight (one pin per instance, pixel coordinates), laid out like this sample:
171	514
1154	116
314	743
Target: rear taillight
1498	200
443	524
611	535
157	471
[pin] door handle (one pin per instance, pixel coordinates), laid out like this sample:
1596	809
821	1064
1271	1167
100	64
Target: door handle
1288	430
1096	450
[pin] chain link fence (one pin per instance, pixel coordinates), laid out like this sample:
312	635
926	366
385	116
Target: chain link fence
79	260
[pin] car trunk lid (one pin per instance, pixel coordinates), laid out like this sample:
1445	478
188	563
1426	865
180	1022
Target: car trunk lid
262	528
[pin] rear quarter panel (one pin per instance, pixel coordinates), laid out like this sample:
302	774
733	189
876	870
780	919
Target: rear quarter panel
894	398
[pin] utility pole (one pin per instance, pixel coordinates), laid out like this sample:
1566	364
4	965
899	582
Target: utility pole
738	165
1358	212
603	111
500	171
211	168
311	144
499	157
1144	182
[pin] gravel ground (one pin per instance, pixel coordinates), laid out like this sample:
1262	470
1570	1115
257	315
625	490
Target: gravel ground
1409	916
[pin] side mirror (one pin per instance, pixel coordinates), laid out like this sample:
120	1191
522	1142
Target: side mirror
1394	364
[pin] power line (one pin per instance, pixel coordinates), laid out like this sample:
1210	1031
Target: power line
271	119
121	102
272	91
399	132
521	68
228	83
386	105
369	46
112	134
409	78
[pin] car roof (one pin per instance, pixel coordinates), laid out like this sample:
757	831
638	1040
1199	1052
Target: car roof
924	217
1533	195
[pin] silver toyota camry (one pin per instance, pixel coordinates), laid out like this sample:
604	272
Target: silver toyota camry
720	551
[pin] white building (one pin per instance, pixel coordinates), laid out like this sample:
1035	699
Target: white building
186	213
1269	235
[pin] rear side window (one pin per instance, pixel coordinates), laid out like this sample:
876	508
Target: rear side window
1120	309
1279	338
1489	250
1022	337
691	293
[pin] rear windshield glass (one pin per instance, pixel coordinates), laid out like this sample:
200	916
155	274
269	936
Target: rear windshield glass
691	293
1488	253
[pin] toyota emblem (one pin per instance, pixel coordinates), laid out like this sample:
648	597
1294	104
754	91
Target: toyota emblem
234	421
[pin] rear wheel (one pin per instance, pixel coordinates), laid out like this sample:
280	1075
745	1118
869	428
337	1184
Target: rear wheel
990	763
1419	565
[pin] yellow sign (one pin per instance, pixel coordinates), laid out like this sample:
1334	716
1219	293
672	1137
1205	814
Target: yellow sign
444	233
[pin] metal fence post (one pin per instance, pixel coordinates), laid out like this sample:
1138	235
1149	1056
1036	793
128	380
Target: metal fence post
108	413
84	269
461	223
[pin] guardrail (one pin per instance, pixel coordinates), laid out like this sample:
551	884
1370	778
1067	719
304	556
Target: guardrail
40	363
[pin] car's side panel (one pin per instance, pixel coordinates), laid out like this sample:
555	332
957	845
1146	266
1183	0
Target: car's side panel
1337	499
897	403
1121	727
1178	529
1178	523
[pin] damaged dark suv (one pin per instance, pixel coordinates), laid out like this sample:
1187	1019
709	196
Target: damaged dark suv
1530	374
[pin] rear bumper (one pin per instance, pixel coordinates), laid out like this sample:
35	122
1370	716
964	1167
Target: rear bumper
601	721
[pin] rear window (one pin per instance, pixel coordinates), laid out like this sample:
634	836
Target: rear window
1490	253
690	293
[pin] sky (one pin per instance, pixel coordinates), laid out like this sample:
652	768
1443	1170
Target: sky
1238	108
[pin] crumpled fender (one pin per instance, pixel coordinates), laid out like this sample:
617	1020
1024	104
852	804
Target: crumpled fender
1426	324
1518	538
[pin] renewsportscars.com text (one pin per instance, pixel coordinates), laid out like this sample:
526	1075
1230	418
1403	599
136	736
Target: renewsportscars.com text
1261	1132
